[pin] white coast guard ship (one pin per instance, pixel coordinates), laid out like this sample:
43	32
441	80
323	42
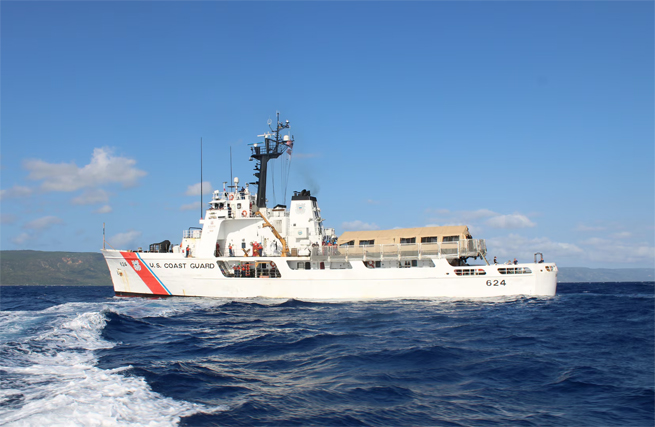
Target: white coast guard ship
244	249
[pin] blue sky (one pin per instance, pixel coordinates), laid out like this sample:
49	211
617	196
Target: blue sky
530	122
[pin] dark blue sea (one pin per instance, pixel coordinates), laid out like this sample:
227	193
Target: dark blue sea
78	356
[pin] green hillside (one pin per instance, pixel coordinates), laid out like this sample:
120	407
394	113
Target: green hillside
53	268
583	274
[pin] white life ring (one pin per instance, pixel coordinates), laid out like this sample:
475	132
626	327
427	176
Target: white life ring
244	213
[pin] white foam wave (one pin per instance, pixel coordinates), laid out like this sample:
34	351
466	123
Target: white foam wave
48	360
139	308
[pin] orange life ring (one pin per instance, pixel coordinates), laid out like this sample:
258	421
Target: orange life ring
244	213
272	264
231	196
370	264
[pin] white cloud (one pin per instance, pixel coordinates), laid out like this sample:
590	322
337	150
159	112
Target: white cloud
584	227
190	206
43	223
509	221
622	235
34	229
358	225
104	168
606	250
478	214
122	240
471	218
594	250
104	209
516	246
194	190
595	241
22	238
438	211
16	191
7	219
91	197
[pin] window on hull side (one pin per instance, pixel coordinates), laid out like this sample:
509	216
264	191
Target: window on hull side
424	263
242	269
470	272
514	270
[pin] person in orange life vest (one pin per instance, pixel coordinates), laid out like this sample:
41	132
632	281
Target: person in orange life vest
187	252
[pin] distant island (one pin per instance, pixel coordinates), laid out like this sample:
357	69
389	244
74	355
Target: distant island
53	268
34	268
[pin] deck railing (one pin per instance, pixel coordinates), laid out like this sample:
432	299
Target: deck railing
463	248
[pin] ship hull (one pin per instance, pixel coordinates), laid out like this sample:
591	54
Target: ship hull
168	274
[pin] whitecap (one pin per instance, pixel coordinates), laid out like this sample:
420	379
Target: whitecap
48	361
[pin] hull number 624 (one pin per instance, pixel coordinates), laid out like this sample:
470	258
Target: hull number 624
495	283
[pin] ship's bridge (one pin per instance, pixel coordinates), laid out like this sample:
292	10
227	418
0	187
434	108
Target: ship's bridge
238	203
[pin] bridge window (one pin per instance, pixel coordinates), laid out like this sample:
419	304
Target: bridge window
514	270
430	239
451	238
470	272
407	240
350	243
366	242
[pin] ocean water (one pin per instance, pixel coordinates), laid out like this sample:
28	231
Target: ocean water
78	356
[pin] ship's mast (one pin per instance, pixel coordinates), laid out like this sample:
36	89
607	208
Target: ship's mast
272	148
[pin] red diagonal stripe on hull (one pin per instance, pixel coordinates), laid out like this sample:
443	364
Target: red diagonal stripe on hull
151	282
